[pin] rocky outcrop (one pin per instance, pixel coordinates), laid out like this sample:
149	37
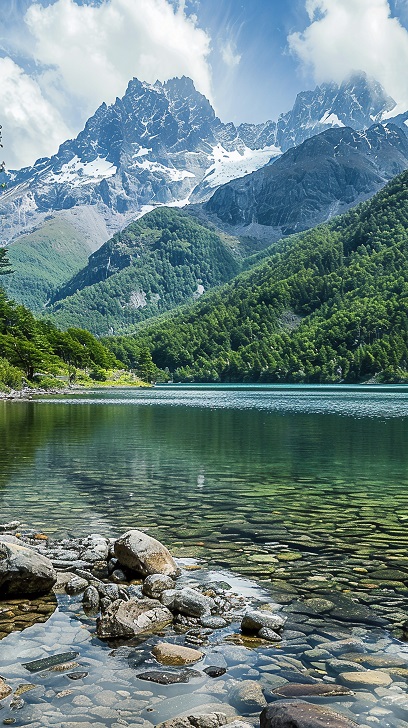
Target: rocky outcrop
24	571
132	618
292	714
144	555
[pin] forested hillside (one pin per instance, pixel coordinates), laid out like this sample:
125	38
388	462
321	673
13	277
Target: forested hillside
36	352
156	263
331	306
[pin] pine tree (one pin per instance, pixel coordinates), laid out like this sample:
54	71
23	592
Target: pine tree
5	267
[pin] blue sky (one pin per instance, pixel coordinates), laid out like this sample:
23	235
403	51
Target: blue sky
59	59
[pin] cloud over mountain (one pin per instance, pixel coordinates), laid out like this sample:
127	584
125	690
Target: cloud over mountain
345	35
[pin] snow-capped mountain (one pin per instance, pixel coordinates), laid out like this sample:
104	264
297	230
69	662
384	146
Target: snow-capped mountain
322	177
163	144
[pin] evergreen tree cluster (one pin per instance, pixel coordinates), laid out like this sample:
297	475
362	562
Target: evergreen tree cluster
330	306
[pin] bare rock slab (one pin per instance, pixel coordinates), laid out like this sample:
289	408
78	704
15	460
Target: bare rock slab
144	555
298	714
128	619
23	571
169	654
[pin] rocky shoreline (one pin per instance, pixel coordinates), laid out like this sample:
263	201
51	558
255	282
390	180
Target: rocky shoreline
190	649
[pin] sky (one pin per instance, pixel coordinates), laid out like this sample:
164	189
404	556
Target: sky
60	59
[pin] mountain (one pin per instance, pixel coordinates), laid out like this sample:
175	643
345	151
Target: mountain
151	147
331	306
163	144
156	263
307	185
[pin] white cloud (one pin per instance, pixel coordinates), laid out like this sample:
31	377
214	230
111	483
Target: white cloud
96	50
349	35
229	55
32	127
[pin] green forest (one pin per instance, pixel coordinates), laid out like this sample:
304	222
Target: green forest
153	265
330	306
35	353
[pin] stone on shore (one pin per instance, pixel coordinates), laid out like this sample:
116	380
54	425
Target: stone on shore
156	584
169	654
24	571
144	555
212	720
192	603
298	714
128	619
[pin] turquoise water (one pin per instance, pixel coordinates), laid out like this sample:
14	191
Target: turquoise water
303	490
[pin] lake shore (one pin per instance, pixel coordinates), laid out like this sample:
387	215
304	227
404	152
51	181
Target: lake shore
133	634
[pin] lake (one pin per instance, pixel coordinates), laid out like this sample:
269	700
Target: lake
302	489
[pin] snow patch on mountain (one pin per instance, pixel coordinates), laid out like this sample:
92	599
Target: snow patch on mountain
230	165
77	173
170	173
332	119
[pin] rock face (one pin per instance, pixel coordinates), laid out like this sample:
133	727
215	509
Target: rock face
291	714
144	555
24	571
310	183
128	619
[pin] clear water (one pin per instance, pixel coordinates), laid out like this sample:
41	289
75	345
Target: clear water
304	490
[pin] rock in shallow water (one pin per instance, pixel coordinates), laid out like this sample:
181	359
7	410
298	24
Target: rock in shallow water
301	690
5	689
298	714
24	571
128	619
211	720
168	678
145	555
255	620
248	697
192	603
169	654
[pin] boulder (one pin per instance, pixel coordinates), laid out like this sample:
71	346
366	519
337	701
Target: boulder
366	679
76	585
90	599
155	584
143	554
96	548
192	603
24	571
169	654
255	620
298	714
269	634
128	619
211	720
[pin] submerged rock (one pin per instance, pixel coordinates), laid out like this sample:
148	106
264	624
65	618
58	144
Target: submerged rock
298	714
168	678
47	662
24	571
145	555
128	619
248	697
